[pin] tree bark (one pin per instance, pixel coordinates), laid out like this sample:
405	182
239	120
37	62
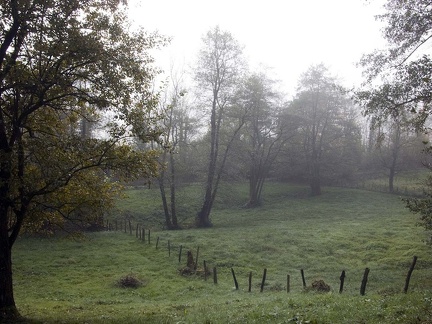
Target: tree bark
315	181
203	216
8	310
174	220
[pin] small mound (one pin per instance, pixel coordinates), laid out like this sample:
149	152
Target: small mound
129	281
320	286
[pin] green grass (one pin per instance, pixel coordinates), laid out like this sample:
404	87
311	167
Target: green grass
406	182
66	281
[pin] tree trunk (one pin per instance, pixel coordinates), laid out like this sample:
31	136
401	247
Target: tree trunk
203	216
164	201
394	161
315	181
391	179
174	220
8	310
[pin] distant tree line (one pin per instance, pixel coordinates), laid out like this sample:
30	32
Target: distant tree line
234	124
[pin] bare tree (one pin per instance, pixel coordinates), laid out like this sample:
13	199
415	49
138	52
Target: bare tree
219	67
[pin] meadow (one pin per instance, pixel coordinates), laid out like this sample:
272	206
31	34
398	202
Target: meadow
61	280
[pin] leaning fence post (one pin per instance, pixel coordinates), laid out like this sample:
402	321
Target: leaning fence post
411	269
303	278
364	282
235	279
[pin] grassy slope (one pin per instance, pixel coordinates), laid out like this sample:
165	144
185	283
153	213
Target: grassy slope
75	281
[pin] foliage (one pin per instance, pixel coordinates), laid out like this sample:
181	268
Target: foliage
262	136
328	138
405	69
63	64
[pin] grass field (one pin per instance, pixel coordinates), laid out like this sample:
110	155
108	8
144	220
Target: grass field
76	281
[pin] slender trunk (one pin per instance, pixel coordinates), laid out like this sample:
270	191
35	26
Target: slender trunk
315	181
161	180
164	202
393	165
174	221
203	217
391	179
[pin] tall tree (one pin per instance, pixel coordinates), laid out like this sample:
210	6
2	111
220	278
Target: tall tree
325	128
178	134
263	133
405	69
218	70
60	62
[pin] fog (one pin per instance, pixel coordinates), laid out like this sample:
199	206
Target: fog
285	36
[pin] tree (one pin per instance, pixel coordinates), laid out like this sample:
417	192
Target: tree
324	129
219	68
262	136
405	68
178	134
396	148
62	62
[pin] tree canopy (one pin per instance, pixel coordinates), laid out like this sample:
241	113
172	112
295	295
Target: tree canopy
64	63
398	83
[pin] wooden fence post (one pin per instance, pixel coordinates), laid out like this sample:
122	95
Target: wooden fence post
303	278
288	283
157	242
235	279
180	253
250	281
214	275
130	227
364	282
148	236
169	248
205	270
196	259
411	269
342	280
263	279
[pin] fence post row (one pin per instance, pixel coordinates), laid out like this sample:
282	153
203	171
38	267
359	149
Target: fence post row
140	233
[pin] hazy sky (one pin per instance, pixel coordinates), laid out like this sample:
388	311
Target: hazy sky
284	35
